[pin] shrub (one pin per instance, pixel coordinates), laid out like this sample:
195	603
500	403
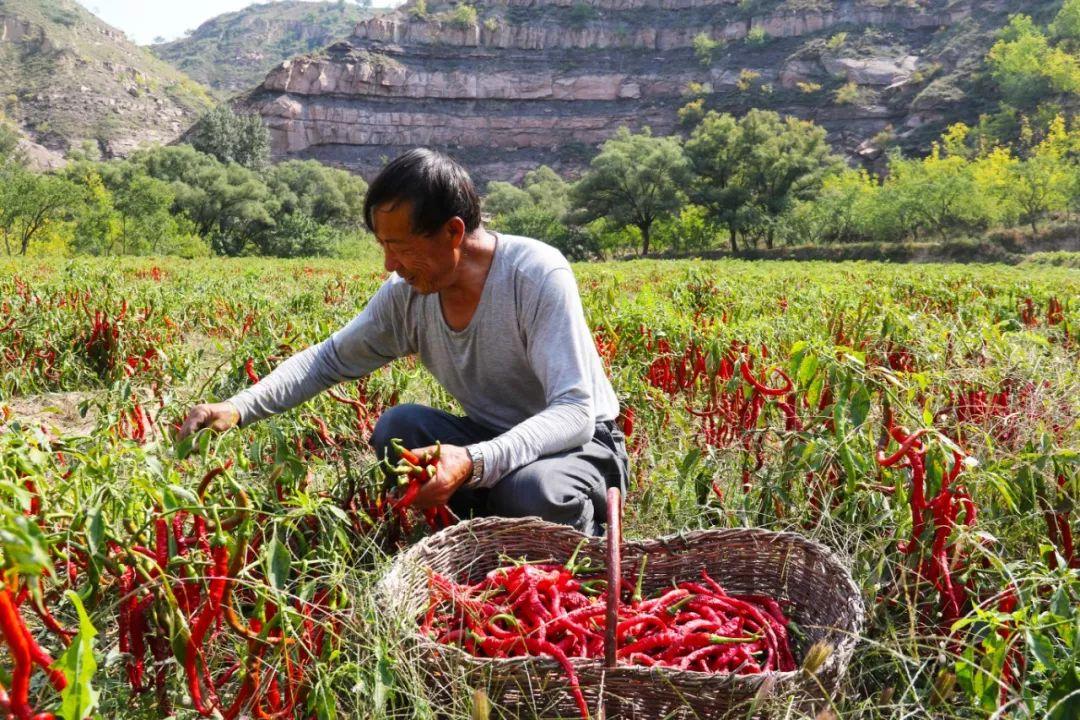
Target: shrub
464	17
847	94
419	9
836	41
705	48
746	79
757	36
695	89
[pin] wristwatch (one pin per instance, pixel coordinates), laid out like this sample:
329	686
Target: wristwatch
477	458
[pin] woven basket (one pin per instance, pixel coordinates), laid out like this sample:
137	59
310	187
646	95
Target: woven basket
826	605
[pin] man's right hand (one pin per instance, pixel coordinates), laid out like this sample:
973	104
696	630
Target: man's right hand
216	416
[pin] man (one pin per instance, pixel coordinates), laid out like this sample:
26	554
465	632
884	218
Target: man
498	321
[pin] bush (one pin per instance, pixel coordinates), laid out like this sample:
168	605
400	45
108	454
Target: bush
746	79
848	94
464	17
836	41
705	48
418	9
757	36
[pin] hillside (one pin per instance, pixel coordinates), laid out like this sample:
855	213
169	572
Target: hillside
234	51
67	77
508	84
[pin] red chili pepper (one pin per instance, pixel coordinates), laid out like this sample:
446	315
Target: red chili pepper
12	629
249	369
761	387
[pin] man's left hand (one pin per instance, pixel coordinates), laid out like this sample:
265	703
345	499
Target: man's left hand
454	469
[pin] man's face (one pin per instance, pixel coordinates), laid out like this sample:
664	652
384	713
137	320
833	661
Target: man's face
427	262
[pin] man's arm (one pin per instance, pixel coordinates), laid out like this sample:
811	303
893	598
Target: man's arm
372	339
561	352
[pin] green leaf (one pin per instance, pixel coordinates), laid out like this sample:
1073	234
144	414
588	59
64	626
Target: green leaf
860	406
78	664
1041	648
278	562
180	497
807	368
1060	604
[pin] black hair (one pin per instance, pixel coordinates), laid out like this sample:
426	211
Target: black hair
437	186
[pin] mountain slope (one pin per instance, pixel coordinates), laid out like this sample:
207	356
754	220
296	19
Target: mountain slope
234	51
508	84
67	77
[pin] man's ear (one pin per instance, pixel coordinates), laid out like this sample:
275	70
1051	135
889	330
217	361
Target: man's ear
455	230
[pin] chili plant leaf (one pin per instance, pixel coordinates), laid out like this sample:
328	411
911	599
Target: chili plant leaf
277	563
78	664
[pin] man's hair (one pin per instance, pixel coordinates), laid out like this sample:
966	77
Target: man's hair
437	187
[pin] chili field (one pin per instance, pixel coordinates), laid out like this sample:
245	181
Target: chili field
921	421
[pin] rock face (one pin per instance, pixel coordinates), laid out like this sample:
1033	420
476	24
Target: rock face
234	51
507	84
66	79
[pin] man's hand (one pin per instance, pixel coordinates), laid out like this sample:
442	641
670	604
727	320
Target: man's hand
454	468
216	416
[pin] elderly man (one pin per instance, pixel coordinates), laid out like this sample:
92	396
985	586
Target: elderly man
498	321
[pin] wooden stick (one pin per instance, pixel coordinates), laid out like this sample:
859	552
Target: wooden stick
614	572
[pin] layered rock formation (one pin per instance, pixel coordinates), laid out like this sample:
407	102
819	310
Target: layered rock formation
508	84
234	51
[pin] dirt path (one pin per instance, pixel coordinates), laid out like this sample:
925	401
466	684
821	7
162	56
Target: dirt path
54	410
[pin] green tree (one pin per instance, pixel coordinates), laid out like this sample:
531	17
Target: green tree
29	203
537	209
1066	25
232	138
299	235
635	180
1043	182
542	186
690	230
504	198
230	205
1027	67
750	171
937	193
97	223
326	195
717	156
845	210
143	205
786	160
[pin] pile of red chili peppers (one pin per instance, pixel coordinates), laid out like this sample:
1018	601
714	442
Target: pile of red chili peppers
548	610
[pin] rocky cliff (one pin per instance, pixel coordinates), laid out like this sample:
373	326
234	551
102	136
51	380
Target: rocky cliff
507	84
66	77
234	51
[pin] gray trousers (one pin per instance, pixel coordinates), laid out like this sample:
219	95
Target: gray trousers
569	487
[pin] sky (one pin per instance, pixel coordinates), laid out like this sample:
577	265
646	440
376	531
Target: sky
145	20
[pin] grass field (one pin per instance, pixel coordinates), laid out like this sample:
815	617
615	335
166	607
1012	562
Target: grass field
760	395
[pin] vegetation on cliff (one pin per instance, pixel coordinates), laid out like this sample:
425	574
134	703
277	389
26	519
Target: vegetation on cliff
67	77
234	51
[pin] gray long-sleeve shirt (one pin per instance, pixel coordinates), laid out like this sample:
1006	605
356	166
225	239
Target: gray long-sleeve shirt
525	366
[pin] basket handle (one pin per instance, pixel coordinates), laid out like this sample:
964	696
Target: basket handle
614	572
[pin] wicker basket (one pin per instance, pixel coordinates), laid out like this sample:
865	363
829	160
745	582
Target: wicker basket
826	605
